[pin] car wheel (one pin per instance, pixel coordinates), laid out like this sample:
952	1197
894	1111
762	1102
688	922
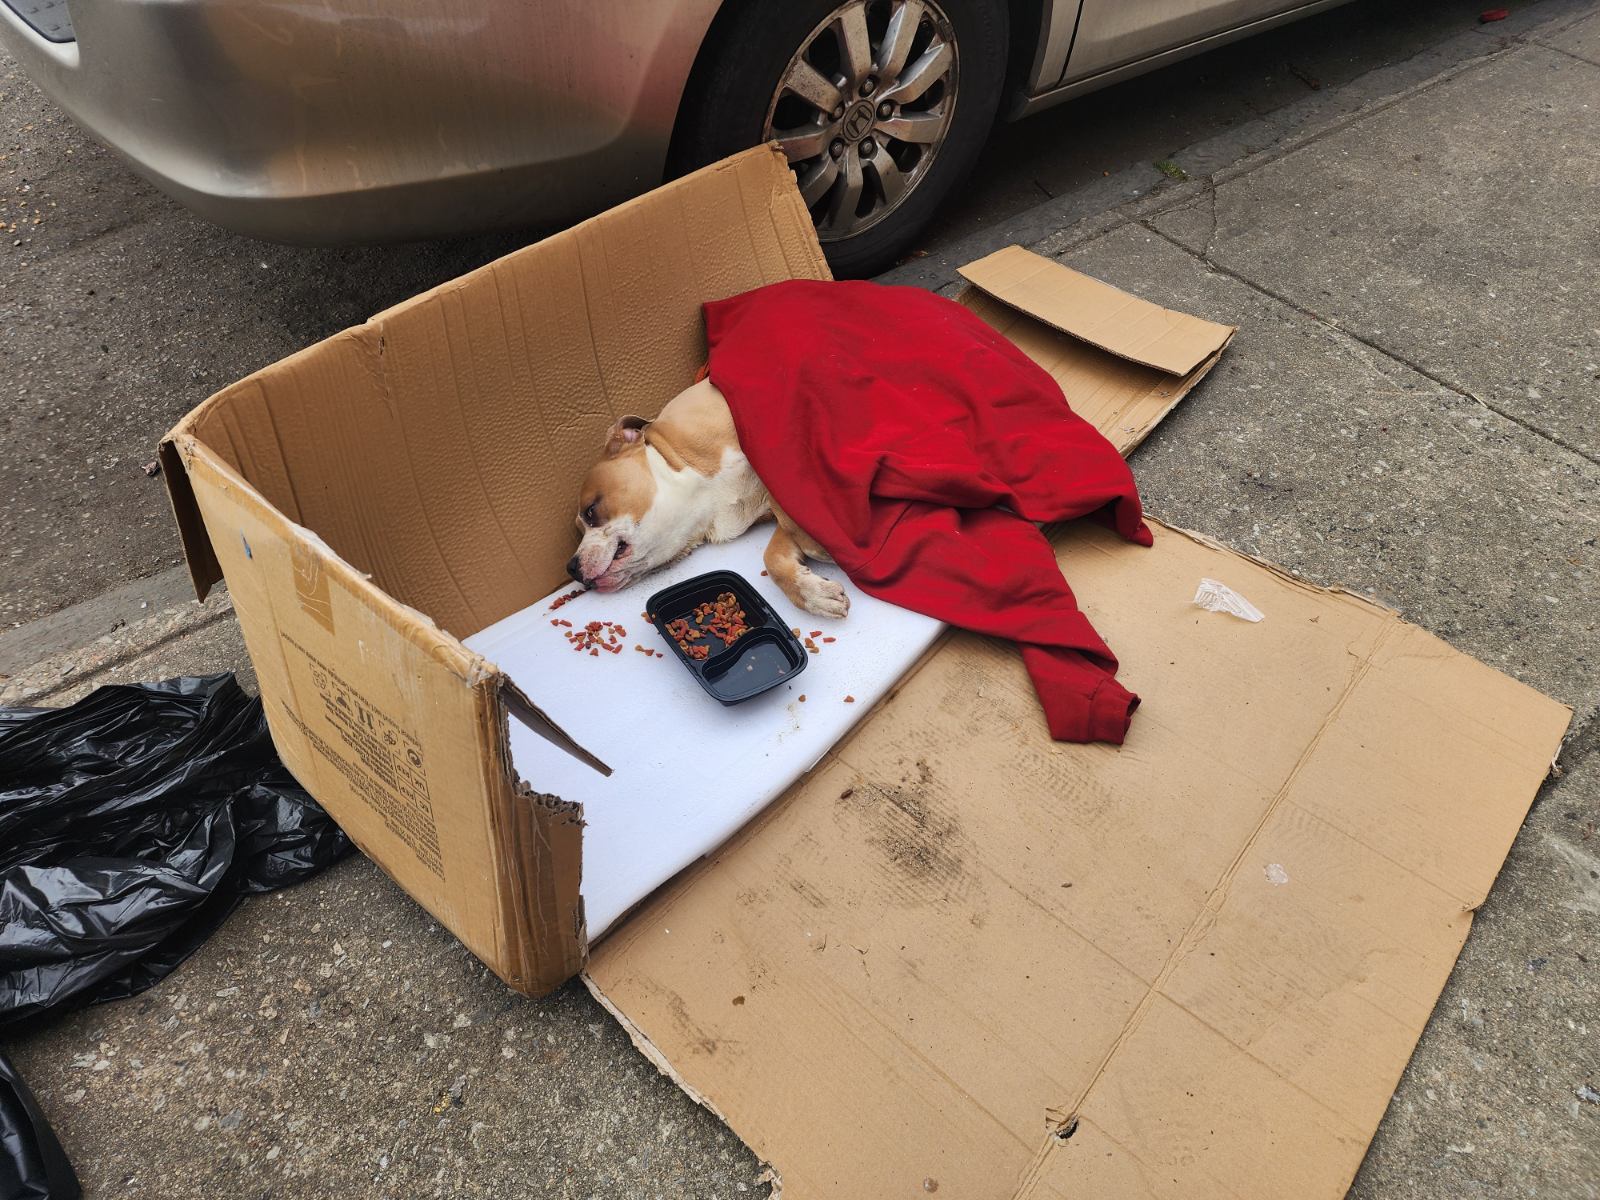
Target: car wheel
880	105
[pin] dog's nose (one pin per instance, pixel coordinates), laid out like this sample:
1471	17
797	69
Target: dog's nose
574	568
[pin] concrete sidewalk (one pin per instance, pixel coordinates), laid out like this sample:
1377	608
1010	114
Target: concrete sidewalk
1409	409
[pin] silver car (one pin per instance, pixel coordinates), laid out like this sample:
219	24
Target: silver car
359	120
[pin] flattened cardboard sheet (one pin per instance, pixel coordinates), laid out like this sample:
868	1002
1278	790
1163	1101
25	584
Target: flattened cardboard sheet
1206	956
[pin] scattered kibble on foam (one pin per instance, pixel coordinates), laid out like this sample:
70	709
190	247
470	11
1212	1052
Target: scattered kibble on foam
595	637
849	699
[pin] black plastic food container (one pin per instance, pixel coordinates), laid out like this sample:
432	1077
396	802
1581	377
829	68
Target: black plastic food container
757	662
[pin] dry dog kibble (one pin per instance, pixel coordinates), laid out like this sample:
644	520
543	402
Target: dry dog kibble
827	641
595	637
849	699
722	618
802	699
565	599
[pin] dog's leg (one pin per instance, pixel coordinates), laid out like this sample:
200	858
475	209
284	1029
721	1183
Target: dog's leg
786	564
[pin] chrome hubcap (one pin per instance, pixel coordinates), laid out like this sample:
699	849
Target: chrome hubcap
863	108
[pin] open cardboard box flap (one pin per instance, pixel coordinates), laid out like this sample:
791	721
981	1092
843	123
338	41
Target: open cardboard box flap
955	956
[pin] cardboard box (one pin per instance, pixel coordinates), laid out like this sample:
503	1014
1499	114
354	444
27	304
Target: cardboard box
956	956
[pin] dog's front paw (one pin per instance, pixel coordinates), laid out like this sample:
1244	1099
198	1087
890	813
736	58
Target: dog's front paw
821	596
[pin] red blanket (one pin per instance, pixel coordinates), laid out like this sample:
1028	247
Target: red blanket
919	446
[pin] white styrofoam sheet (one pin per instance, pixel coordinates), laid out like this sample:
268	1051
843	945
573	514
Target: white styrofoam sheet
671	799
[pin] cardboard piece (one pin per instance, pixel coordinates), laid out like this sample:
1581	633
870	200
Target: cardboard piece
1124	364
1205	956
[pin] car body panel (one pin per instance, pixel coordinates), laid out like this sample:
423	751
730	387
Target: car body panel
1113	33
1077	84
1058	23
334	120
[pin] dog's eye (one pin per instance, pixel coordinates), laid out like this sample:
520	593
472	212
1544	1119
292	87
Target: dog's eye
590	517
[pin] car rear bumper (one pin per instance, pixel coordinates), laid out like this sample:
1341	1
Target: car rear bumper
347	120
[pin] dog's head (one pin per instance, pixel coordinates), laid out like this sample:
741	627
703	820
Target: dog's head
646	503
613	511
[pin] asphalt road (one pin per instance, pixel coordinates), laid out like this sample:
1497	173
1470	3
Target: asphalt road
120	311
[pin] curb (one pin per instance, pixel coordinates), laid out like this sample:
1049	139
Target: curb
77	668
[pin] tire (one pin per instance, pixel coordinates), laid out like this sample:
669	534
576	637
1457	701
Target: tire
910	130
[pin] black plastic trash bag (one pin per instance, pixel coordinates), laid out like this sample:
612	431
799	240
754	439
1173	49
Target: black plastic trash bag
131	824
32	1164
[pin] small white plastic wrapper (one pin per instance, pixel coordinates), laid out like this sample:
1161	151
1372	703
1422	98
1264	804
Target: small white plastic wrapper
1220	598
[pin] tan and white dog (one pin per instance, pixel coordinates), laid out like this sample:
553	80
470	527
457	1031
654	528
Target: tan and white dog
663	487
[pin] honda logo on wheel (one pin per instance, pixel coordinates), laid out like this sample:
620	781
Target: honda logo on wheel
857	121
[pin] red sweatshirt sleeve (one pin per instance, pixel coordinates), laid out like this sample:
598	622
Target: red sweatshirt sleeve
919	446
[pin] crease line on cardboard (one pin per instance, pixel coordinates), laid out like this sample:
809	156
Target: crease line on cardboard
588	321
461	410
773	197
368	343
371	340
749	229
1205	919
424	508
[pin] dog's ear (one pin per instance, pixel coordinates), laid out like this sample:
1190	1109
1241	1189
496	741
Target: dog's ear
626	432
